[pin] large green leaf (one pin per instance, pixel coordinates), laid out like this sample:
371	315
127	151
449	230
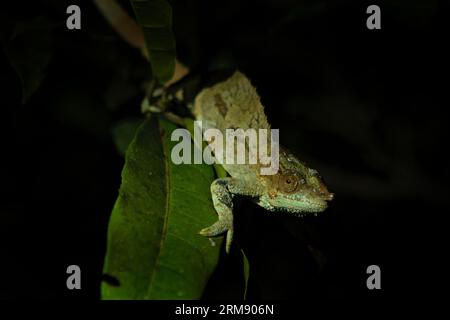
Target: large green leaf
155	19
154	250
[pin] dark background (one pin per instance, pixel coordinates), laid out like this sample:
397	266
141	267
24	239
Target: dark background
364	107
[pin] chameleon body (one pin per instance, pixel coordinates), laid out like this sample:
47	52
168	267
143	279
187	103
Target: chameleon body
295	188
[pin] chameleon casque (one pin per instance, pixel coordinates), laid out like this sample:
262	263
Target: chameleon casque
295	188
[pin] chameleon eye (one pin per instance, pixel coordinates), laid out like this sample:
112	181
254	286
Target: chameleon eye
289	184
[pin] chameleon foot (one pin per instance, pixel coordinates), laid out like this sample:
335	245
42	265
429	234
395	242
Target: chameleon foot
217	229
223	203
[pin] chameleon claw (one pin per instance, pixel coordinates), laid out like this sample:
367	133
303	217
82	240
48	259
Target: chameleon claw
205	232
217	229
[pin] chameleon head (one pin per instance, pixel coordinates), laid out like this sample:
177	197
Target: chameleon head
295	188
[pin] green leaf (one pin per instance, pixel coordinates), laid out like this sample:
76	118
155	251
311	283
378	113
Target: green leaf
123	133
154	250
246	272
155	19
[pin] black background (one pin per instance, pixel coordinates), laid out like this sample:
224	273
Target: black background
364	107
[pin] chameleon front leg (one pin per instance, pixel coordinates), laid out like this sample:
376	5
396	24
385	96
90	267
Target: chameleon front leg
223	203
222	191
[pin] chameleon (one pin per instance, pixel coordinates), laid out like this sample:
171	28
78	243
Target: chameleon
295	188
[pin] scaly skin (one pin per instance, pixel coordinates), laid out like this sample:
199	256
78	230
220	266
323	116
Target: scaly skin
296	188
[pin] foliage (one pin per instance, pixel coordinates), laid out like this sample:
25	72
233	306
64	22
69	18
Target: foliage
154	250
155	19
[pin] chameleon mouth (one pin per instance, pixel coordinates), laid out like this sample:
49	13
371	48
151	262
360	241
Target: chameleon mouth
316	206
319	204
328	196
300	206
